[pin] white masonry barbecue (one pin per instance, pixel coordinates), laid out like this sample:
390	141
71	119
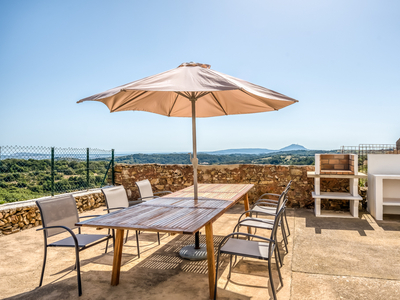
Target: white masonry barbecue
336	166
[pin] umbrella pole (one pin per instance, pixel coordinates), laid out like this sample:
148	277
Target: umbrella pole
194	159
195	162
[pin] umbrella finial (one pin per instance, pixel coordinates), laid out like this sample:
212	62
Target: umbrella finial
193	64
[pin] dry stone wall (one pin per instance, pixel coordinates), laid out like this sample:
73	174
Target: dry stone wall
266	178
18	216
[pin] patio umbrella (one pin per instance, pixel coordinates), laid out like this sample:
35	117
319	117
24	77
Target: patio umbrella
192	90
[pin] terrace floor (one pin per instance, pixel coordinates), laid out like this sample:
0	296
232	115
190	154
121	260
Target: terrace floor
328	259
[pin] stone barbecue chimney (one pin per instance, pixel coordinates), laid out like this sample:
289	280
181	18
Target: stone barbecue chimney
398	145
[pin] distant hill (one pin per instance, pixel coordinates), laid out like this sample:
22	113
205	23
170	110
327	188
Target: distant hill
293	147
241	151
256	151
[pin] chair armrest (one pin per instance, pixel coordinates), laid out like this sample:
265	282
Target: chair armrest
270	222
251	212
147	198
269	194
114	208
266	199
134	202
65	228
163	192
266	202
92	216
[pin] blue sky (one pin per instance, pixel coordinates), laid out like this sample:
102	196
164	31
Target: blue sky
340	59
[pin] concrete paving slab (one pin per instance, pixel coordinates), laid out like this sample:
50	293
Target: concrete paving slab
350	247
324	287
327	259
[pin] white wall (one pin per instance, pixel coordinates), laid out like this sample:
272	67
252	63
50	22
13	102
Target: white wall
384	164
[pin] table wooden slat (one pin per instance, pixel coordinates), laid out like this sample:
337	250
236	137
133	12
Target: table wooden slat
165	218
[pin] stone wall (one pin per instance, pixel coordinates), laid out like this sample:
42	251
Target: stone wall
18	216
266	178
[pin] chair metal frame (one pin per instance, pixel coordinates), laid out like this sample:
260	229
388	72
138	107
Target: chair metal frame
142	185
272	247
48	231
266	205
105	191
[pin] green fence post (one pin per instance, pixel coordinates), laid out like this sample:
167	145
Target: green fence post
52	171
112	167
87	168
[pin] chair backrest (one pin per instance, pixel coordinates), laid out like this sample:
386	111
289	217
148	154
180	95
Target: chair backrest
115	197
277	220
145	188
58	211
282	197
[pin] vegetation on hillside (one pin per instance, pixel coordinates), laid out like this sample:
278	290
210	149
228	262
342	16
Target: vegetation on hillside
299	157
23	179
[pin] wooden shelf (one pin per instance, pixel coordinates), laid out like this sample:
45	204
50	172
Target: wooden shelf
336	196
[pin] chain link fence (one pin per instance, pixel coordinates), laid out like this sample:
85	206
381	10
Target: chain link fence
32	172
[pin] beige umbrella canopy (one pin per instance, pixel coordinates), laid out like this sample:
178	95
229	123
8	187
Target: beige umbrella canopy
192	90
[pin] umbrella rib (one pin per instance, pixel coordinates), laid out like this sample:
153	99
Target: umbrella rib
129	101
216	100
182	94
251	95
172	107
202	94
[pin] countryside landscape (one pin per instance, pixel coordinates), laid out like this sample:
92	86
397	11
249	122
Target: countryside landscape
25	176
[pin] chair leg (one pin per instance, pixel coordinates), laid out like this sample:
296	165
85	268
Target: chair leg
126	238
113	237
270	278
158	237
107	241
287	224
284	234
279	269
216	276
284	237
78	270
137	244
277	252
44	265
230	267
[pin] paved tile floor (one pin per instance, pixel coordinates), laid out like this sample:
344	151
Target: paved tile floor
328	259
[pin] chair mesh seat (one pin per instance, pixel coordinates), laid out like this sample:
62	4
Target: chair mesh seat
246	248
265	209
256	224
83	240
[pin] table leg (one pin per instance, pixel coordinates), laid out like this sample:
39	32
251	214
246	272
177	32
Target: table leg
210	258
119	242
246	208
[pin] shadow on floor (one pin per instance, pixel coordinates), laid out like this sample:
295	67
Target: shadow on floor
390	223
319	223
161	275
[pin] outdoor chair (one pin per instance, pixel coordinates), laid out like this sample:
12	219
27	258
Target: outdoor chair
146	192
117	199
59	214
263	223
271	206
264	250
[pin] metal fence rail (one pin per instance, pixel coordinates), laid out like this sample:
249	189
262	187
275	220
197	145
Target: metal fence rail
28	172
363	150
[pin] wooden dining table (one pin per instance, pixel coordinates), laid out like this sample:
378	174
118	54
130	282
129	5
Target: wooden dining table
174	213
